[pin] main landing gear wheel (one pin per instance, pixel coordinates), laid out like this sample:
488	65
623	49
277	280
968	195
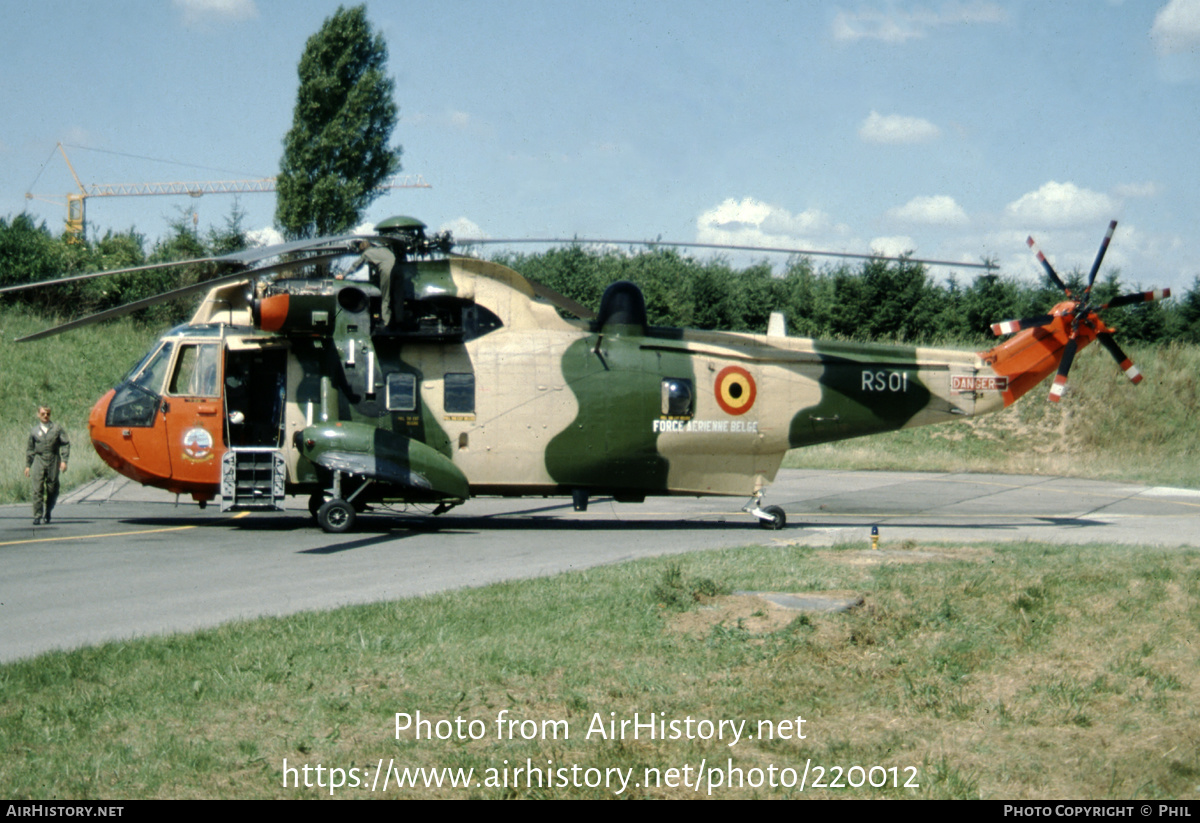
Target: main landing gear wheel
778	518
336	516
317	500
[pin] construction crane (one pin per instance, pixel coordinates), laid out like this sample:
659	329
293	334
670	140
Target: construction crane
77	201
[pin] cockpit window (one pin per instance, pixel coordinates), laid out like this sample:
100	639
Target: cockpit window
196	371
152	372
132	406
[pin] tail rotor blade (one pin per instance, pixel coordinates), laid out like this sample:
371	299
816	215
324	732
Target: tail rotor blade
1011	326
1137	297
1046	265
1131	371
1100	255
1064	366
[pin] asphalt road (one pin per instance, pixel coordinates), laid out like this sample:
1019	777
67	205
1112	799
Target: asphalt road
120	561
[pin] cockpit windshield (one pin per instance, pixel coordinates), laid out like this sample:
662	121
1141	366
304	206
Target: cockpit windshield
137	399
152	371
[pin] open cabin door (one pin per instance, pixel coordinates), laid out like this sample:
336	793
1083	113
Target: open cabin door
255	392
253	468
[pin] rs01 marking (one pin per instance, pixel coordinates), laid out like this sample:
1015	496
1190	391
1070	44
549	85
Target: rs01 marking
883	380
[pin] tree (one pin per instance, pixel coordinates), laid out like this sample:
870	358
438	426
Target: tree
337	151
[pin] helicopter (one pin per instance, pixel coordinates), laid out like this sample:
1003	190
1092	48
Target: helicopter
287	382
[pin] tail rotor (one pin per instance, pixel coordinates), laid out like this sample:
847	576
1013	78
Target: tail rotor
1078	320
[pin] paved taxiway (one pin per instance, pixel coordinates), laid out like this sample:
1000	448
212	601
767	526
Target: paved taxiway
120	561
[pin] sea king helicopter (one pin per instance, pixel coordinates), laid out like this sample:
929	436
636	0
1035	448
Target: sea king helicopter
287	382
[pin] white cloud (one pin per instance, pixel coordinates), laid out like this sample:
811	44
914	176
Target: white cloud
214	11
938	210
896	128
264	237
750	222
893	246
1061	204
897	26
1177	27
462	227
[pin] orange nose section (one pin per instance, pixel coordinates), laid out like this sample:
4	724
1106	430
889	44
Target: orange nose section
103	441
126	449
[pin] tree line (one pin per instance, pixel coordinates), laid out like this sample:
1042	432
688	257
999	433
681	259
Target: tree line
30	253
882	300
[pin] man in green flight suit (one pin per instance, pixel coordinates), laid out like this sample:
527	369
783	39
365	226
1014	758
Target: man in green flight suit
45	456
381	262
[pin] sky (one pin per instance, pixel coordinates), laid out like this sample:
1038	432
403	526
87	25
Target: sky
951	130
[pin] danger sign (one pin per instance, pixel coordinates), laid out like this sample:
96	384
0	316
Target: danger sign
972	382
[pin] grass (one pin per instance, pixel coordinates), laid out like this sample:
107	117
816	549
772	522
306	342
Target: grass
70	372
1005	671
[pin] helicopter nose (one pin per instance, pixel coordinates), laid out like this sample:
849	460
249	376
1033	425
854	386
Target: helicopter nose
107	442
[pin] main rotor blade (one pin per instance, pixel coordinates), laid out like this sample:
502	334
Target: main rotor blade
562	301
240	259
1064	366
1137	297
1109	342
1011	326
721	247
183	291
1100	255
89	275
345	241
1046	265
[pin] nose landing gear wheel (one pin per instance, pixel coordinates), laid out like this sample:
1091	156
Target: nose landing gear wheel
336	516
778	518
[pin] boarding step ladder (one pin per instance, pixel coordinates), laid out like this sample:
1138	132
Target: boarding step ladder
252	479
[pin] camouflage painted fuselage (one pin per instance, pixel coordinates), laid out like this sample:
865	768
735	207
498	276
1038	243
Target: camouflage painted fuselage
494	393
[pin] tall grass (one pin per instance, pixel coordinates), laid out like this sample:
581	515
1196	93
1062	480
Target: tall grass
69	373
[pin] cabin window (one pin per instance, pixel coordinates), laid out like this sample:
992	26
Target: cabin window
677	397
196	371
402	392
460	394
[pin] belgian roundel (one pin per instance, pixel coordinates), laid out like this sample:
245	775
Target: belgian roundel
735	390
